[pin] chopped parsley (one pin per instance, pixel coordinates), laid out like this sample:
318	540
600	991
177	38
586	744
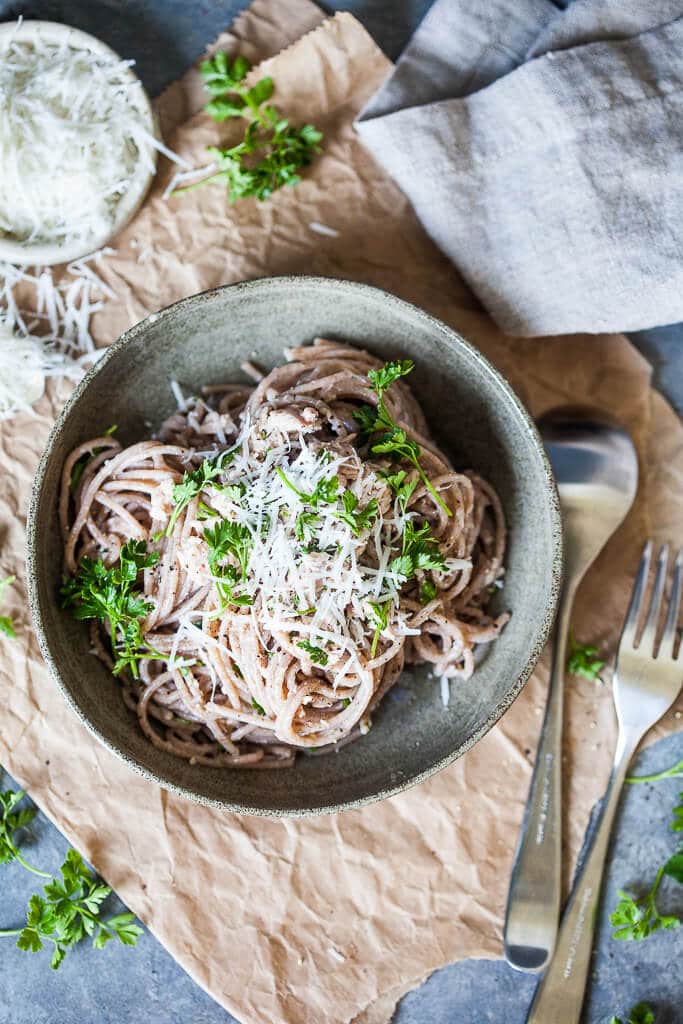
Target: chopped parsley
640	1014
257	707
582	661
419	551
316	654
357	519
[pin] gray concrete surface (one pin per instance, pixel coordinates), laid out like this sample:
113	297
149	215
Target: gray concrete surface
123	986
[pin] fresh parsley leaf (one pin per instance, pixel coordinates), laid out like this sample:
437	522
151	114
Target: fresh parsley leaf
382	379
303	526
7	627
325	491
380	614
6	624
70	911
229	540
357	519
272	152
11	822
420	551
677	823
221	76
393	440
640	1014
636	919
675	772
582	660
316	654
96	592
194	483
674	866
401	486
257	707
428	591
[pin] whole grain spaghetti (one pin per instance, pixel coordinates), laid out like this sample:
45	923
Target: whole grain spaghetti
259	574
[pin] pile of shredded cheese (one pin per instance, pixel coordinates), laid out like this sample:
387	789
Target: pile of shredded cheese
71	139
45	328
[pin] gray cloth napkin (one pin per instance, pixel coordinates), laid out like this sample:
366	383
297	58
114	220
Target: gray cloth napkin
543	151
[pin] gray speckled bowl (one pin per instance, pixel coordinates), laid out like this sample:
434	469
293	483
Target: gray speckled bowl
477	419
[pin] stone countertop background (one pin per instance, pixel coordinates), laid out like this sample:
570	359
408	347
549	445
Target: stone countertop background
122	985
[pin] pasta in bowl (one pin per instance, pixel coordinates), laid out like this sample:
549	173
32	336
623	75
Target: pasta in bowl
273	568
294	546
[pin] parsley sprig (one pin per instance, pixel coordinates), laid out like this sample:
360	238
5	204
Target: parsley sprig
582	660
96	592
6	624
194	483
393	440
229	540
324	493
70	911
635	918
640	1014
272	151
11	821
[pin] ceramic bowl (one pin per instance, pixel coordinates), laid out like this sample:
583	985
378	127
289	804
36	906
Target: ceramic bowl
477	419
12	250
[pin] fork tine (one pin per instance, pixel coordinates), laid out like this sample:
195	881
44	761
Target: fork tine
628	634
649	635
671	624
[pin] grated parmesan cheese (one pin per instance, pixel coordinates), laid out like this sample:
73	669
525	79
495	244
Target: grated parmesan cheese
73	134
52	339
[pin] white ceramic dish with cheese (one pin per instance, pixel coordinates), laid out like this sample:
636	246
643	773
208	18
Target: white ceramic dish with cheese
90	116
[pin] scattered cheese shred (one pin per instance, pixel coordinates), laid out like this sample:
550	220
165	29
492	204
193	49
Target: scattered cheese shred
72	136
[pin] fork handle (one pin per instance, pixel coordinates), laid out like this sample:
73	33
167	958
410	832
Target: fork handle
560	994
533	907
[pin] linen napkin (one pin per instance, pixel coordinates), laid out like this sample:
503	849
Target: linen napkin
541	149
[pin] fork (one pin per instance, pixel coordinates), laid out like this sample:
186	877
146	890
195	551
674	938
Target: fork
647	679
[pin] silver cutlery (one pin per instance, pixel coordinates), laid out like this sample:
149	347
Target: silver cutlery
647	680
596	468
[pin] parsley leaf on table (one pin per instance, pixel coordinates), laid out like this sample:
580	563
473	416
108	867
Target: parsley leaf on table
636	919
677	823
582	660
11	820
640	1014
96	592
272	151
6	624
69	912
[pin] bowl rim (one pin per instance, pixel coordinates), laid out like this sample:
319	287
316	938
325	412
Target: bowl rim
257	285
53	253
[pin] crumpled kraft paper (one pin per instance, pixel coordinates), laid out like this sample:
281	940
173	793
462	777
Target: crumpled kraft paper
327	920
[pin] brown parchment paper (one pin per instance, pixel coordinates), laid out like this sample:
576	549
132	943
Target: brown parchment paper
330	919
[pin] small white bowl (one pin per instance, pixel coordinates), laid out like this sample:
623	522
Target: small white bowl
49	253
